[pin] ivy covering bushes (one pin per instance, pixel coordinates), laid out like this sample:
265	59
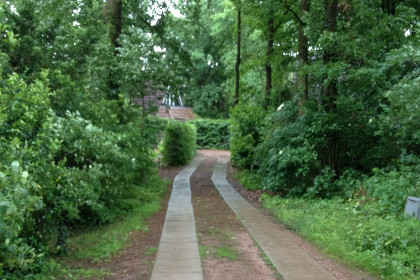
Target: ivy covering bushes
212	134
179	143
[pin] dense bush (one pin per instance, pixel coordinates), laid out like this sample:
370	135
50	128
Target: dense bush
179	143
20	196
246	127
85	174
212	134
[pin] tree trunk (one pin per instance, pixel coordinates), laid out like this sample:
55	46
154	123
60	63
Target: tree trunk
238	57
389	6
113	17
330	90
268	69
303	58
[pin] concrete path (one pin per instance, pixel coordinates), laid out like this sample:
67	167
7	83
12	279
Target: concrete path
178	256
290	260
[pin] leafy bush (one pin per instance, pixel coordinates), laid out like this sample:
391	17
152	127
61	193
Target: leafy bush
212	134
246	127
391	188
179	143
20	196
87	173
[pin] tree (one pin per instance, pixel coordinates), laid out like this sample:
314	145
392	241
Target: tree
238	5
113	17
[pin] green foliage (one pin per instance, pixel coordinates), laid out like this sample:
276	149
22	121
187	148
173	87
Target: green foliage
212	134
391	186
249	180
246	126
179	143
20	196
386	245
87	173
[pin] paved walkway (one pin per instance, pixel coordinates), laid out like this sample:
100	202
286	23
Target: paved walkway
290	260
178	256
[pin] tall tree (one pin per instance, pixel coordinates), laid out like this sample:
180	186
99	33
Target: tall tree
113	17
303	56
330	85
238	52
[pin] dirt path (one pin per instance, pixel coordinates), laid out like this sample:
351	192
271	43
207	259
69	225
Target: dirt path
226	249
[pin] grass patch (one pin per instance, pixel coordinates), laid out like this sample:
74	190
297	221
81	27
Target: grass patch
358	234
227	253
97	245
102	242
61	271
150	251
205	251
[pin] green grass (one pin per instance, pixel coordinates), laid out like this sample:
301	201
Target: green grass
384	245
205	251
102	242
99	244
227	253
218	252
150	251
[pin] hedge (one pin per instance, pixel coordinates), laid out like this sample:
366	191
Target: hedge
212	134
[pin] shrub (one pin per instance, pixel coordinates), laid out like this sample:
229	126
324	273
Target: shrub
179	143
19	197
212	134
246	126
391	188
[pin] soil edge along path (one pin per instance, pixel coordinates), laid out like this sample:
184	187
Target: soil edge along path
290	260
178	256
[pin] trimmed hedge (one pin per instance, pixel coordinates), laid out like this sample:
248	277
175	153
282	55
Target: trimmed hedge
212	134
179	143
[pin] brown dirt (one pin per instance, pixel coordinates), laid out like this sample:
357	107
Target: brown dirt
218	228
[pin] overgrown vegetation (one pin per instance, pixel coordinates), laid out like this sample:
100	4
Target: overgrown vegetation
75	153
179	143
359	233
212	134
322	97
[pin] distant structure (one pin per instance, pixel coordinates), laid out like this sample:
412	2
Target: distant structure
165	106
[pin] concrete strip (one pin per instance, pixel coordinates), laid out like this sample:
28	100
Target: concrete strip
178	256
292	262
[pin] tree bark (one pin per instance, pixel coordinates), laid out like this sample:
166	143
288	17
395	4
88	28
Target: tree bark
330	91
113	17
268	69
303	58
238	56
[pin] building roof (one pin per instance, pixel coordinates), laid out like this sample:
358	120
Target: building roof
176	113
